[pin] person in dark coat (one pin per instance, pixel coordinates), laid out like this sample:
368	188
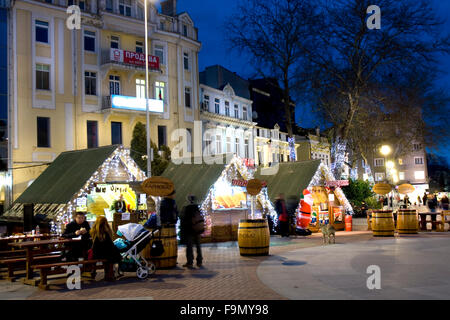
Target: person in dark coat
103	246
424	199
187	234
444	203
291	205
78	227
283	215
364	208
168	210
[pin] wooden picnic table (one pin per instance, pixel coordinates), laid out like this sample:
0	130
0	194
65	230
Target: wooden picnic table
5	240
37	247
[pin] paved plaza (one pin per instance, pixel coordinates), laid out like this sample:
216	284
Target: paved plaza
298	268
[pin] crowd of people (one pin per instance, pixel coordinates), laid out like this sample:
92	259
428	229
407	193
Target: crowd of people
97	242
430	201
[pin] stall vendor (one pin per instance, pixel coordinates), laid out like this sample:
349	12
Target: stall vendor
119	205
78	227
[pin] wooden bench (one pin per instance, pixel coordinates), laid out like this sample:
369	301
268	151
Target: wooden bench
57	268
13	263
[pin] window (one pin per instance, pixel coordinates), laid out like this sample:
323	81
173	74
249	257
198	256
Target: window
417	146
109	5
116	132
418	160
82	4
187	97
115	42
90	83
227	108
206	102
162	136
125	7
185	30
41	31
236	111
92	134
186	61
140	47
246	149
114	85
161	25
207	144
42	77
140	88
379	162
400	161
244	112
218	144
159	52
189	140
419	175
43	132
379	176
140	12
401	176
236	146
216	105
159	90
228	144
89	41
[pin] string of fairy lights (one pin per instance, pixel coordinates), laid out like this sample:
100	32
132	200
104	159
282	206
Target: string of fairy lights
112	165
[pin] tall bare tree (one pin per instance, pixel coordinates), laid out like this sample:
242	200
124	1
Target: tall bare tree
355	67
274	34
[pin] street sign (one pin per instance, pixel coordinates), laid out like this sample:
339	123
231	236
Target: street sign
254	187
158	186
382	188
406	188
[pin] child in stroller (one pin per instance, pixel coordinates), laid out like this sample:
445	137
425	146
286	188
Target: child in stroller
136	239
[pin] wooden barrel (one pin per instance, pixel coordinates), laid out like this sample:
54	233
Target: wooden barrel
169	239
253	237
407	221
383	223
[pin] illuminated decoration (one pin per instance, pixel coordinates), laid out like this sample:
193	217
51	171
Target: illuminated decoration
321	177
338	149
390	164
137	104
291	141
121	156
235	170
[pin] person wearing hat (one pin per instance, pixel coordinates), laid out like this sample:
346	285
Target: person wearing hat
78	227
168	210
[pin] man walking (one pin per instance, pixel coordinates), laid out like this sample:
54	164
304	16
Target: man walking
192	225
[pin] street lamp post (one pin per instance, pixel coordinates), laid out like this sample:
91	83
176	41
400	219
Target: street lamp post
147	113
385	150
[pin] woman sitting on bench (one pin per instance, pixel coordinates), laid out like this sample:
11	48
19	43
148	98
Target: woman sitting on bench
103	247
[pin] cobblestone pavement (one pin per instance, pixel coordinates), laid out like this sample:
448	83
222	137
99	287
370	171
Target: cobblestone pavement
226	275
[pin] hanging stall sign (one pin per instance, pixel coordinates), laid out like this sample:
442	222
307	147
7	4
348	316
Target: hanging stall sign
158	186
82	204
254	187
382	188
406	188
243	183
337	183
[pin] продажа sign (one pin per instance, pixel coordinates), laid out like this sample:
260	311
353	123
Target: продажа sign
134	58
158	186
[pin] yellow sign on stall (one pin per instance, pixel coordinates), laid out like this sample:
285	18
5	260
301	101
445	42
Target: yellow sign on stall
158	186
382	188
406	188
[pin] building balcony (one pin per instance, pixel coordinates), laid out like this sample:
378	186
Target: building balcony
127	104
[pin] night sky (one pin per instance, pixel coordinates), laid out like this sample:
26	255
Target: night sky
210	15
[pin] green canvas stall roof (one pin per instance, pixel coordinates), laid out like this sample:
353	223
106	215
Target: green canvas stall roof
66	175
291	179
192	179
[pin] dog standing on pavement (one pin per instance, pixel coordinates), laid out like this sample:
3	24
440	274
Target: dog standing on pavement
328	232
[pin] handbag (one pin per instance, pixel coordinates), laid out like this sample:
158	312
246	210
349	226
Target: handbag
157	248
90	254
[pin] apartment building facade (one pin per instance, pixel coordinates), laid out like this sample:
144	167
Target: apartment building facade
83	88
313	145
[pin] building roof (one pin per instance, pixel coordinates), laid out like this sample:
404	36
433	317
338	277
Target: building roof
218	77
66	175
192	179
291	179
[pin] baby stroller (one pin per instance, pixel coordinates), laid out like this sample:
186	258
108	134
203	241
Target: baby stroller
137	238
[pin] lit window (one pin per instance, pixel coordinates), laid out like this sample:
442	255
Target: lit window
159	90
246	149
140	88
236	145
401	175
379	162
379	176
207	144
400	161
419	175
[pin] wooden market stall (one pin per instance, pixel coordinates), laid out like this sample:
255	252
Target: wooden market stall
222	198
330	204
88	180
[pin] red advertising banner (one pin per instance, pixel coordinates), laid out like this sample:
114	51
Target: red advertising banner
134	58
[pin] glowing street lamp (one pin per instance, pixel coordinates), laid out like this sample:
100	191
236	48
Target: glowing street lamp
385	150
